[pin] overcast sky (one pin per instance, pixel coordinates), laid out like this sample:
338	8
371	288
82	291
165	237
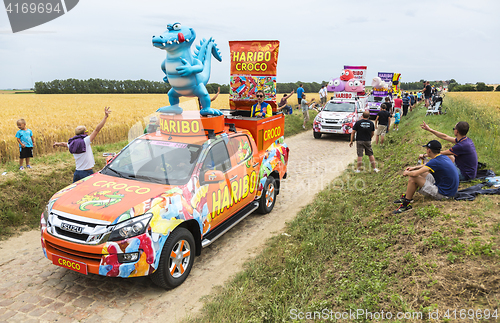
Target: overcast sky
111	39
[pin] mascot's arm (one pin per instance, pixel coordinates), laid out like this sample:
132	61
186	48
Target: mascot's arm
165	79
188	69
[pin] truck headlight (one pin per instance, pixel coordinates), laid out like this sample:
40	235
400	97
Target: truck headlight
319	119
130	228
347	120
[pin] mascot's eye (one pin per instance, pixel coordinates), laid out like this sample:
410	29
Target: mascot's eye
357	83
177	26
336	82
346	72
351	83
331	83
343	72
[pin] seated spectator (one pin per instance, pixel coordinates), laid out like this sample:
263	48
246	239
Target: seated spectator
438	178
463	154
286	108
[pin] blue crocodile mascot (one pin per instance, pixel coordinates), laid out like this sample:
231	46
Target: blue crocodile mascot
187	73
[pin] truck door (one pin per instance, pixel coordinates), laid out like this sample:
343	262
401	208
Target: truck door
219	194
243	175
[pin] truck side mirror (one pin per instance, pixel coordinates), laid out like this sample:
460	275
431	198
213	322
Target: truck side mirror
109	157
214	176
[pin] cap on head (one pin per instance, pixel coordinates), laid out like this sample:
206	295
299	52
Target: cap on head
433	145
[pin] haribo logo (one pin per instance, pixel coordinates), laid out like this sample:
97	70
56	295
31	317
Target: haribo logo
26	14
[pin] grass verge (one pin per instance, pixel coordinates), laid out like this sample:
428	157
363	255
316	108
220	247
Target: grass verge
347	252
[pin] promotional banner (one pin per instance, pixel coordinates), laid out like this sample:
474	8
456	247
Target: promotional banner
253	67
359	72
387	78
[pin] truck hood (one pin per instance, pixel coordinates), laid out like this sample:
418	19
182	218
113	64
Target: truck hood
105	198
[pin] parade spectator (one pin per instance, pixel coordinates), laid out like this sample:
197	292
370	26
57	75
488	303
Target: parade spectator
398	102
406	104
212	99
382	123
25	139
463	153
261	109
413	100
388	103
427	94
322	95
437	179
283	104
300	91
79	146
419	96
363	131
305	109
397	119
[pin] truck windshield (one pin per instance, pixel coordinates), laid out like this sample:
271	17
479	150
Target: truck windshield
155	161
339	107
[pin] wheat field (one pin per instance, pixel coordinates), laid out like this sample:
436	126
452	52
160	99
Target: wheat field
54	117
488	100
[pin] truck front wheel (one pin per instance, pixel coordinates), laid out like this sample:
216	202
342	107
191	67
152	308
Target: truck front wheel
268	197
176	259
317	135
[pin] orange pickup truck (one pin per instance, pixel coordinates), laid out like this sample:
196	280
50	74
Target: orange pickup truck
167	195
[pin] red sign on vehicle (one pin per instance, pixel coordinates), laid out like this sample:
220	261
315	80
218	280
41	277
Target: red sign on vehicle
70	264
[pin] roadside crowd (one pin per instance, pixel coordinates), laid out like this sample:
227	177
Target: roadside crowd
440	172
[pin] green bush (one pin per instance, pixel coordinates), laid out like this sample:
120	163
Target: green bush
480	86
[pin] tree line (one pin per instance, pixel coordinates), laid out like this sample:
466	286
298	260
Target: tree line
97	86
479	86
100	86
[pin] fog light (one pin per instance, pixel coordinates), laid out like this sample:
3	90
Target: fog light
128	257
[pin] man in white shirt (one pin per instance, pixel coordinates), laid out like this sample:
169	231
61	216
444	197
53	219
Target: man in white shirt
323	93
80	147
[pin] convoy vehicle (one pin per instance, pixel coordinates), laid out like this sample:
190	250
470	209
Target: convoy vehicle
374	103
338	116
167	195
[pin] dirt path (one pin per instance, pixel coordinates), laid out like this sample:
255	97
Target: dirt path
34	289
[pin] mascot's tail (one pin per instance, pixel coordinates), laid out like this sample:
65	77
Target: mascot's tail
203	52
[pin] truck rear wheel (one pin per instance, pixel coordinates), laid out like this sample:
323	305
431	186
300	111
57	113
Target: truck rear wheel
317	135
268	197
176	259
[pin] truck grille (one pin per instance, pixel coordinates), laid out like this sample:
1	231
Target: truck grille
77	229
332	127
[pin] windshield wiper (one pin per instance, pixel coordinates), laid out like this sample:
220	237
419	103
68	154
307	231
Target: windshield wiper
152	179
116	172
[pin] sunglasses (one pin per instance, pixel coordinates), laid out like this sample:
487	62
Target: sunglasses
259	96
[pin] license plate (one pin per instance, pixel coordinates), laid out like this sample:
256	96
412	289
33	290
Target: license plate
70	264
71	228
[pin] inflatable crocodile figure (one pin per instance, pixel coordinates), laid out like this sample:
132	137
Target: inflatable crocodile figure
187	73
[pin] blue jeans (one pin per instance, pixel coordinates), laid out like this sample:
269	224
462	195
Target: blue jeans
79	174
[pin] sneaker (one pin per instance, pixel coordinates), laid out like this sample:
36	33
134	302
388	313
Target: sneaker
376	170
402	199
357	171
304	127
402	208
21	168
28	166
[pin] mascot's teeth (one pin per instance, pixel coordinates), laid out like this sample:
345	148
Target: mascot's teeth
169	42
